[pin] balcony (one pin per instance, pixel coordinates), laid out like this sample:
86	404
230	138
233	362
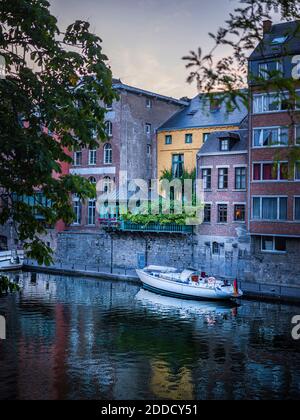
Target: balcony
155	228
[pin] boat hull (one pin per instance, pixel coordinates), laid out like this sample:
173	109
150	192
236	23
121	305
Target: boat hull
184	291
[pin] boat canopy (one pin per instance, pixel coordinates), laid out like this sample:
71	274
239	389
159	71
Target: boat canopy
161	269
186	274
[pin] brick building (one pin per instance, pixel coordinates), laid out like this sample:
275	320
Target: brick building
274	188
131	123
222	164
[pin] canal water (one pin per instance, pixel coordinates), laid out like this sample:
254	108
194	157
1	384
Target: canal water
70	338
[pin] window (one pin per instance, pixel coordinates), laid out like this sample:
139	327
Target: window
297	140
270	69
92	157
93	180
216	248
297	208
223	179
297	171
271	171
207	213
149	150
189	138
148	103
177	165
239	213
107	184
270	208
264	137
148	129
222	213
78	158
240	178
205	137
108	128
92	213
279	40
273	244
168	139
206	176
107	154
224	145
270	103
77	210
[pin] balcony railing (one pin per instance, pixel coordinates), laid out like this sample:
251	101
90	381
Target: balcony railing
155	228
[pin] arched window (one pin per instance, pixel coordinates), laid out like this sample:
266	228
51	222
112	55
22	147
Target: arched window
93	180
107	154
92	213
107	184
108	128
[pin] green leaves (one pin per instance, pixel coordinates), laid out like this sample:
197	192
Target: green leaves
47	110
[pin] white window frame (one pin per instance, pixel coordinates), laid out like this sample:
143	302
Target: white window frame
273	251
75	161
93	157
108	128
91	205
239	204
261	208
265	98
235	178
279	145
107	152
203	178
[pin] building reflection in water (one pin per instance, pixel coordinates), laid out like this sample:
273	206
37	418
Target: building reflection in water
71	338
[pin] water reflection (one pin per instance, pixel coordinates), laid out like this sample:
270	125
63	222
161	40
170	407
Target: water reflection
71	338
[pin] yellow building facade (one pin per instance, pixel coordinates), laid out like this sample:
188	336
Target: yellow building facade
182	136
165	151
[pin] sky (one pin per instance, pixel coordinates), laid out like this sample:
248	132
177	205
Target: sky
145	40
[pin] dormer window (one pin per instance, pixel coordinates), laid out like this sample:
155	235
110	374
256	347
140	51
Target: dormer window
279	40
215	105
224	145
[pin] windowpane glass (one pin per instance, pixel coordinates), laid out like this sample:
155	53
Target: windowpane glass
256	208
269	208
283	209
297	208
239	212
177	165
297	171
207	213
280	244
257	172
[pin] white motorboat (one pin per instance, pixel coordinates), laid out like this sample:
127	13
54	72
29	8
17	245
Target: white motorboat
11	260
188	284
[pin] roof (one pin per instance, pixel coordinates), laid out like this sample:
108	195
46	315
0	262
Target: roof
199	114
287	36
212	145
117	84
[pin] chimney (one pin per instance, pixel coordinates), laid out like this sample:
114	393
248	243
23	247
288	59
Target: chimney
267	26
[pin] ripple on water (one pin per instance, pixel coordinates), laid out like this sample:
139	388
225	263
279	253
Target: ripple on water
84	339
